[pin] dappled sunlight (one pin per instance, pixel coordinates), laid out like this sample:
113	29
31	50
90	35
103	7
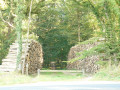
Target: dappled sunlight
60	44
17	78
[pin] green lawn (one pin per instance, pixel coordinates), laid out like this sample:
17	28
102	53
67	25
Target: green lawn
106	74
15	78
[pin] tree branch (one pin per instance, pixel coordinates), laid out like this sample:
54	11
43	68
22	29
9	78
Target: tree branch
6	21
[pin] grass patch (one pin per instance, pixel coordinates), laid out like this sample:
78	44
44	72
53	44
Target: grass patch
16	78
13	78
108	74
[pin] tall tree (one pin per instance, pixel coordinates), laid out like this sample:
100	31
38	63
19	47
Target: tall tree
7	34
18	28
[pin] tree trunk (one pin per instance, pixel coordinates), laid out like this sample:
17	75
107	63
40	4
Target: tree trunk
78	17
18	28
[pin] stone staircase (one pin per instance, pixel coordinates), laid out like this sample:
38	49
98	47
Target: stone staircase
9	63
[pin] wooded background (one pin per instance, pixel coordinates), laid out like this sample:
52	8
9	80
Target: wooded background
60	24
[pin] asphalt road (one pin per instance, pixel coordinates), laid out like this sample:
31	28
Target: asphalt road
75	85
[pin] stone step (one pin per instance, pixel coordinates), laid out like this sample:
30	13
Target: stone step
7	70
8	60
14	55
15	50
12	52
11	57
9	64
15	44
7	67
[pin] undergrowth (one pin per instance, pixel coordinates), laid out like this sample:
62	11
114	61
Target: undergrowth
110	73
17	78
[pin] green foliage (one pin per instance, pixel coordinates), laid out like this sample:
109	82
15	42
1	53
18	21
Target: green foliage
108	74
107	13
17	78
91	40
5	42
102	63
55	47
18	28
7	35
96	50
60	24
